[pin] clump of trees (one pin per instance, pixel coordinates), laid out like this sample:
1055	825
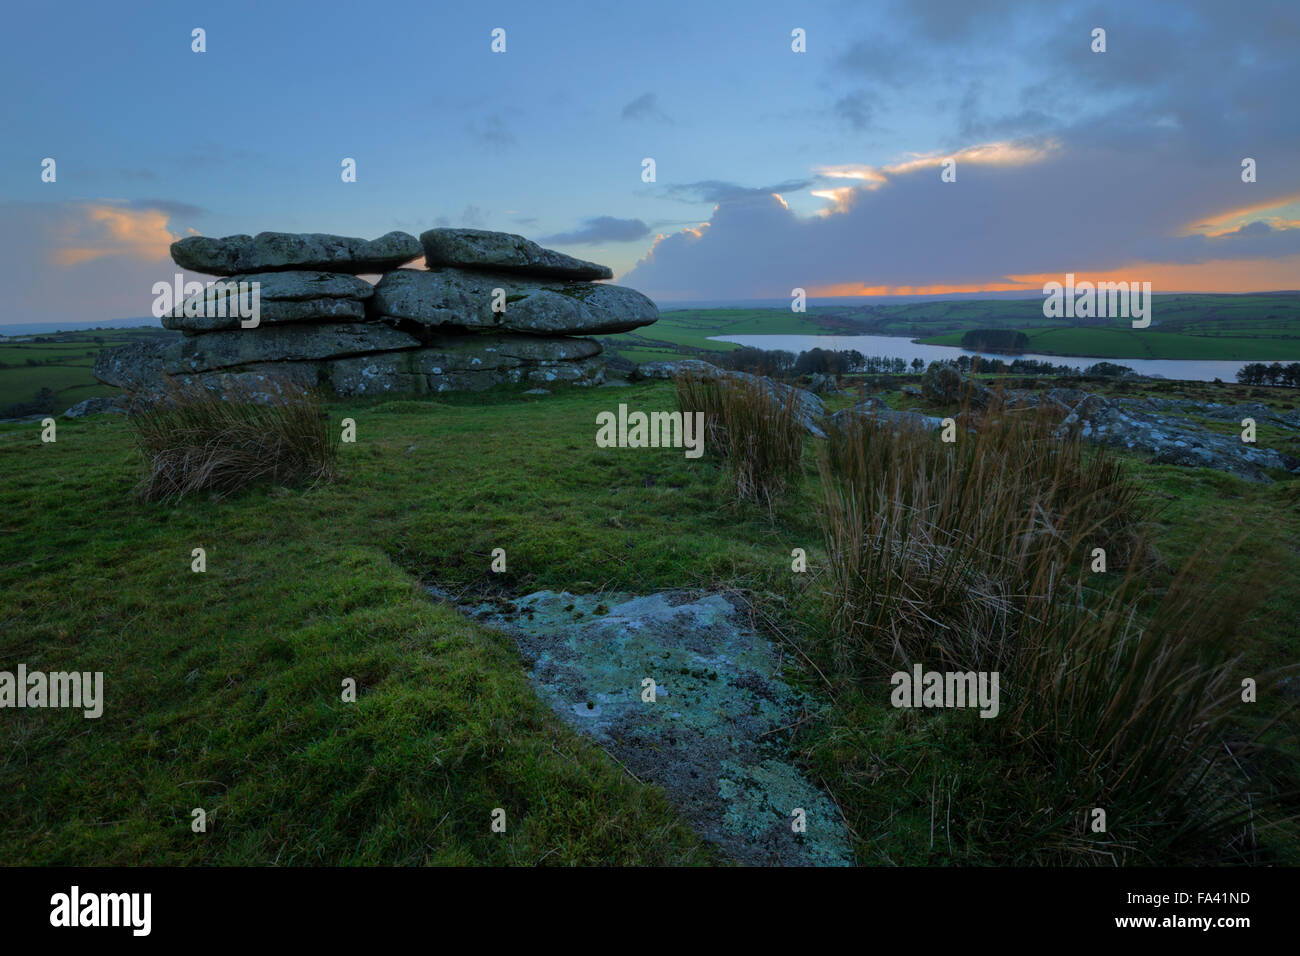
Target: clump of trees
1257	373
995	340
41	404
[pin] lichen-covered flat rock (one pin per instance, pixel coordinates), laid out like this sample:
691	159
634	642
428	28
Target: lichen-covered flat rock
503	252
286	343
709	736
458	297
290	296
275	251
469	363
488	350
268	313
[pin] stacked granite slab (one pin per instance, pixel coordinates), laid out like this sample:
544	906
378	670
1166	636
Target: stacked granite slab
489	308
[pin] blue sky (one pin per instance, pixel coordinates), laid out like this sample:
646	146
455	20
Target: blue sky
774	169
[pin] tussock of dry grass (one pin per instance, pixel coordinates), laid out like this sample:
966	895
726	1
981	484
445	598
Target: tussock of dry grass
976	555
196	440
758	434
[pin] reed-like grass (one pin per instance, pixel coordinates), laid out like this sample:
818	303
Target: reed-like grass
977	555
933	546
195	439
749	422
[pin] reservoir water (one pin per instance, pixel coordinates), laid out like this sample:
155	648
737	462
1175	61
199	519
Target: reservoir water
897	346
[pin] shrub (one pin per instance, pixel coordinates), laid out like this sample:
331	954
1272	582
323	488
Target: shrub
198	440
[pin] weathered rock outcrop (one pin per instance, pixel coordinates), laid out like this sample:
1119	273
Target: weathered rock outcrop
495	308
455	297
292	296
1171	441
273	251
503	252
875	410
96	406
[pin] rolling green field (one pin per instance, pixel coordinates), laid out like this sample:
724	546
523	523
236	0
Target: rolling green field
1254	327
64	367
222	688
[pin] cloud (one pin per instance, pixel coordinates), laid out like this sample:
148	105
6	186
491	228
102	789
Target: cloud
116	228
86	260
717	190
602	229
1067	160
645	107
856	109
1024	208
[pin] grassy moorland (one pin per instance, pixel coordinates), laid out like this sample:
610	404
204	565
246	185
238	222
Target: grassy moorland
1252	327
223	688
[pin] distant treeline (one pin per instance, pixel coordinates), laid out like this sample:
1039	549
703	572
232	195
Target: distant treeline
782	363
1257	373
779	362
995	340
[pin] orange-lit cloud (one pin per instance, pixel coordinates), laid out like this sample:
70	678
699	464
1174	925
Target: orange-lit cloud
844	289
1220	275
871	177
1279	213
1224	275
106	228
985	154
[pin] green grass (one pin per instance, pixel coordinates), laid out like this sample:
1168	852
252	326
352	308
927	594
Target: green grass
1252	327
223	688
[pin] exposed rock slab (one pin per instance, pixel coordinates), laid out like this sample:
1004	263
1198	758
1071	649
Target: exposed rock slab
708	738
275	251
288	343
99	405
290	296
489	351
875	410
458	297
503	252
129	366
421	371
224	313
1171	441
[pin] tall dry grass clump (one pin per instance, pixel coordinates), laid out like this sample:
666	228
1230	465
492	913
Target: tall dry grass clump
934	546
194	439
754	426
976	556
